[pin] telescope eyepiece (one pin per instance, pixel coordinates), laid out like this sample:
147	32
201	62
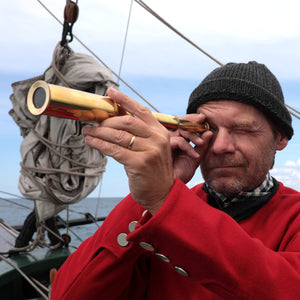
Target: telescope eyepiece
39	97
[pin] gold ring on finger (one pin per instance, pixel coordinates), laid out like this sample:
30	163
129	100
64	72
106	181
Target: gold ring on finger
131	142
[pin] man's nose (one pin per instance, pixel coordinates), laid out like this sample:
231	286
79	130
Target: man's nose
223	142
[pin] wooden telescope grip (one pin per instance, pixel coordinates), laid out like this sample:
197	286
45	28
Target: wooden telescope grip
54	100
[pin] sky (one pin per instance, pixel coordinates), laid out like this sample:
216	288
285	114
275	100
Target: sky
157	63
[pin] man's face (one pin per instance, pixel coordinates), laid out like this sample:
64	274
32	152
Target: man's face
242	149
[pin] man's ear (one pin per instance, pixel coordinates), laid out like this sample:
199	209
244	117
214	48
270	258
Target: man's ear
281	141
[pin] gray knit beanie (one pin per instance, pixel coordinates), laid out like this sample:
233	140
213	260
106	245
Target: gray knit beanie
250	83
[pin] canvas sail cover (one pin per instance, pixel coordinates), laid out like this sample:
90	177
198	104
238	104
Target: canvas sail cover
57	167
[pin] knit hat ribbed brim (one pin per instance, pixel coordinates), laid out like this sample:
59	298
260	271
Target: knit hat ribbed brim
250	83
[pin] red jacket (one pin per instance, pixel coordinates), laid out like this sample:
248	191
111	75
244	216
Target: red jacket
218	258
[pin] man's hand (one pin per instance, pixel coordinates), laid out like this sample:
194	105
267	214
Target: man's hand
142	145
187	158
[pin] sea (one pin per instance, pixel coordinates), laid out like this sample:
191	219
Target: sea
13	211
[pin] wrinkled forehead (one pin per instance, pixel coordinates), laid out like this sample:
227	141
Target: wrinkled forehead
221	110
228	106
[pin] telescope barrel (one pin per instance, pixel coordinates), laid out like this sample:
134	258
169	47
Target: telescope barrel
54	100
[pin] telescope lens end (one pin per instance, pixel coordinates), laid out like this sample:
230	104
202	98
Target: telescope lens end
39	97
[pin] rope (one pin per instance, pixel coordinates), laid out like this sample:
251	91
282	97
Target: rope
153	13
125	39
56	154
147	8
14	195
24	276
40	239
101	61
54	233
66	223
9	229
13	202
60	58
293	111
68	217
48	145
98	199
40	284
53	172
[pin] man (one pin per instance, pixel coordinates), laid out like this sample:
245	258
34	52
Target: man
237	236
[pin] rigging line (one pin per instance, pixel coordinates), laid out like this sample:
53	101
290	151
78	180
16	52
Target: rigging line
100	60
125	39
68	218
295	115
16	196
295	110
24	276
98	198
66	224
39	284
140	2
145	6
129	86
15	203
9	229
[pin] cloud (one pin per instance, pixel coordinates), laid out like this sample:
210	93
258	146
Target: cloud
229	30
291	163
289	174
233	30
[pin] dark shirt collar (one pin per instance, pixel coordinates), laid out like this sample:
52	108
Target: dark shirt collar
245	203
259	191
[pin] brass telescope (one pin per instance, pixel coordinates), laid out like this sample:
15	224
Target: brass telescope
54	100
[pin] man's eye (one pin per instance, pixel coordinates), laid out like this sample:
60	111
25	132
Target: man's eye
242	130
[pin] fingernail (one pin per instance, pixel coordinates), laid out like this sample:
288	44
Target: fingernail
85	130
111	91
88	139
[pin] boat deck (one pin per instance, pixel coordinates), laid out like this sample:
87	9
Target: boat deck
36	264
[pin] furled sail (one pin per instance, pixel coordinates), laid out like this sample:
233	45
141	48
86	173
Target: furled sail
57	167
